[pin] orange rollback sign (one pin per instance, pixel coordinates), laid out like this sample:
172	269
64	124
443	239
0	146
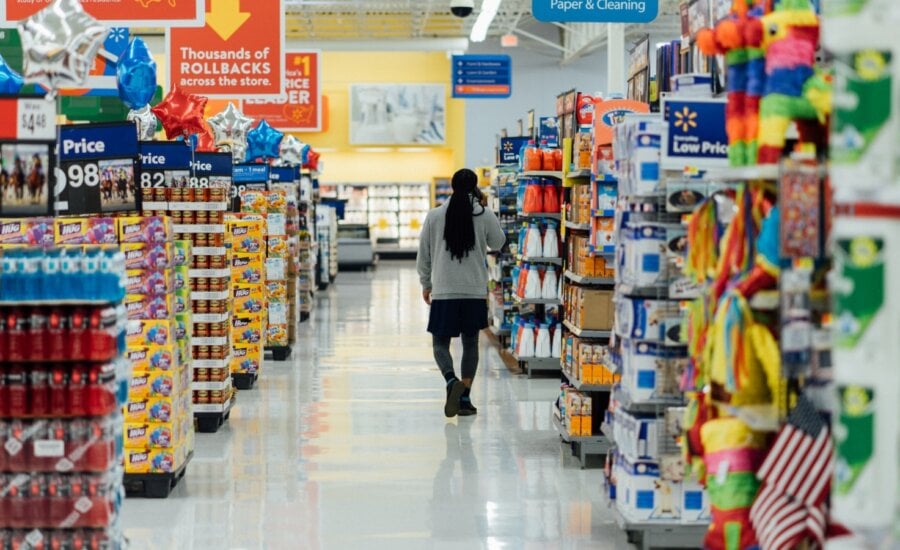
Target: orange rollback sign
125	13
239	53
300	110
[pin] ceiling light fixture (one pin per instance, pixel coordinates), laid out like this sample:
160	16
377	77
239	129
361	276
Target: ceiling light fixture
485	19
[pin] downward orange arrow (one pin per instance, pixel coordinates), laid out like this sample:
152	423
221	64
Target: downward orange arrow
225	17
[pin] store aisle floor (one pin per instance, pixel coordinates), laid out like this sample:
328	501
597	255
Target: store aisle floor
347	447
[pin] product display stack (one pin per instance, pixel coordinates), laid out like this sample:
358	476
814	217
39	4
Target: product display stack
248	298
65	382
501	306
537	277
159	420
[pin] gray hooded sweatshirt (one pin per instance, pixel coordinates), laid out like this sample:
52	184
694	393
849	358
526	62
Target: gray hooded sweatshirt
446	277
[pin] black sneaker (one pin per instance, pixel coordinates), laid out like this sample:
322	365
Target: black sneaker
455	390
466	408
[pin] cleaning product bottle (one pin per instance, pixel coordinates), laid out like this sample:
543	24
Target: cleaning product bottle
551	241
534	247
556	350
526	344
534	196
546	156
550	195
533	157
522	280
533	289
549	285
543	346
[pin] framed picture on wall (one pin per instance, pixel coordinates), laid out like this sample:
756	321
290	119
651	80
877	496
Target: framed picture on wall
398	114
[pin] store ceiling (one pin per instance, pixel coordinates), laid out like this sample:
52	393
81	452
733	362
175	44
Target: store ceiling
391	19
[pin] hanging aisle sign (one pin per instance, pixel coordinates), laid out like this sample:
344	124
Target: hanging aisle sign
695	133
126	13
238	54
97	169
300	110
595	11
481	76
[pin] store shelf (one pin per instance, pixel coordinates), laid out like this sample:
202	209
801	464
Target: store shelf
575	278
211	363
541	260
591	444
649	407
498	331
214	408
578	226
545	215
210	317
660	292
221	295
578	385
549	364
662	533
579	174
219	385
537	302
581	333
542	174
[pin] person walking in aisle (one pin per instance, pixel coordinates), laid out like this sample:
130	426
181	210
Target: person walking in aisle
452	265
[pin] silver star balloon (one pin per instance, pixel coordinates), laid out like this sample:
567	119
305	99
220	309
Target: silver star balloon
146	122
292	150
230	127
60	43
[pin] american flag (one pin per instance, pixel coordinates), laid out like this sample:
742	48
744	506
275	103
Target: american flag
796	477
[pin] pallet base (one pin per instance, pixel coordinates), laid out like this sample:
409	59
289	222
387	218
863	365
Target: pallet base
280	353
244	380
304	316
209	423
155	485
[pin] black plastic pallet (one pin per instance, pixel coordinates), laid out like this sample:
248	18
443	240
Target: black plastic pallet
155	485
304	317
243	380
280	353
209	423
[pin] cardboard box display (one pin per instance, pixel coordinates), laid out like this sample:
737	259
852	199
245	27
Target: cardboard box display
27	231
143	307
150	332
277	246
153	357
145	229
84	231
642	495
150	282
254	201
592	309
651	370
247	268
149	256
247	299
247	236
182	253
146	384
157	409
649	320
246	358
276	291
277	334
247	329
157	435
155	461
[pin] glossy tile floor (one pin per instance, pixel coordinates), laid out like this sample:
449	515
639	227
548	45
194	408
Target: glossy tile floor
346	446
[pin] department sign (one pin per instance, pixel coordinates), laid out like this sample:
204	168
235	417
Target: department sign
595	11
695	134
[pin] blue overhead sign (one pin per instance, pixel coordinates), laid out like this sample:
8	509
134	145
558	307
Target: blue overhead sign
595	11
482	76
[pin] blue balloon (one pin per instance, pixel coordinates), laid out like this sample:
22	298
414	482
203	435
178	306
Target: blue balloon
263	142
10	81
136	73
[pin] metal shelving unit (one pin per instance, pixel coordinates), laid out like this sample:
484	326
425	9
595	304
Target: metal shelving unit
582	446
587	333
598	281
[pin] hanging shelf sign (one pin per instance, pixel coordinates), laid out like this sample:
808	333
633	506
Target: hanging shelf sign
595	11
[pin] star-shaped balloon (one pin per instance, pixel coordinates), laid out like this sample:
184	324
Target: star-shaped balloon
238	152
60	44
146	122
204	142
293	151
230	127
312	161
181	114
263	142
136	75
10	81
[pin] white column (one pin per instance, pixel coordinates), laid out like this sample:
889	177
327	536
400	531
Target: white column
615	59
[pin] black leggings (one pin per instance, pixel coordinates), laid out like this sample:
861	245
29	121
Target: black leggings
441	346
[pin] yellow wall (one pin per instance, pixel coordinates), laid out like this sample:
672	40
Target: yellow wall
345	163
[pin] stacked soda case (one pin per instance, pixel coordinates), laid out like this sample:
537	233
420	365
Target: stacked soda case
62	382
159	421
198	216
248	245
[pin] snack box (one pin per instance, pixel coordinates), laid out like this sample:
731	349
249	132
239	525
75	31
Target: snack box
148	256
153	357
150	332
142	306
30	231
181	302
247	268
277	246
182	276
157	435
276	224
277	201
145	229
156	409
276	269
247	236
254	202
155	461
246	358
151	282
183	251
68	231
247	329
248	299
146	384
276	291
277	335
184	326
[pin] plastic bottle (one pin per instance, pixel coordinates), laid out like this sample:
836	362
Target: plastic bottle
9	277
533	286
90	269
533	157
549	284
70	270
51	269
526	345
31	279
522	280
551	241
543	347
546	156
534	247
557	341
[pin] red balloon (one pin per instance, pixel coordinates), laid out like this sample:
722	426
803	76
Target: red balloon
206	143
181	114
312	160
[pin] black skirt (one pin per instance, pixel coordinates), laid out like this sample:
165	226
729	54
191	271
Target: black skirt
450	318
